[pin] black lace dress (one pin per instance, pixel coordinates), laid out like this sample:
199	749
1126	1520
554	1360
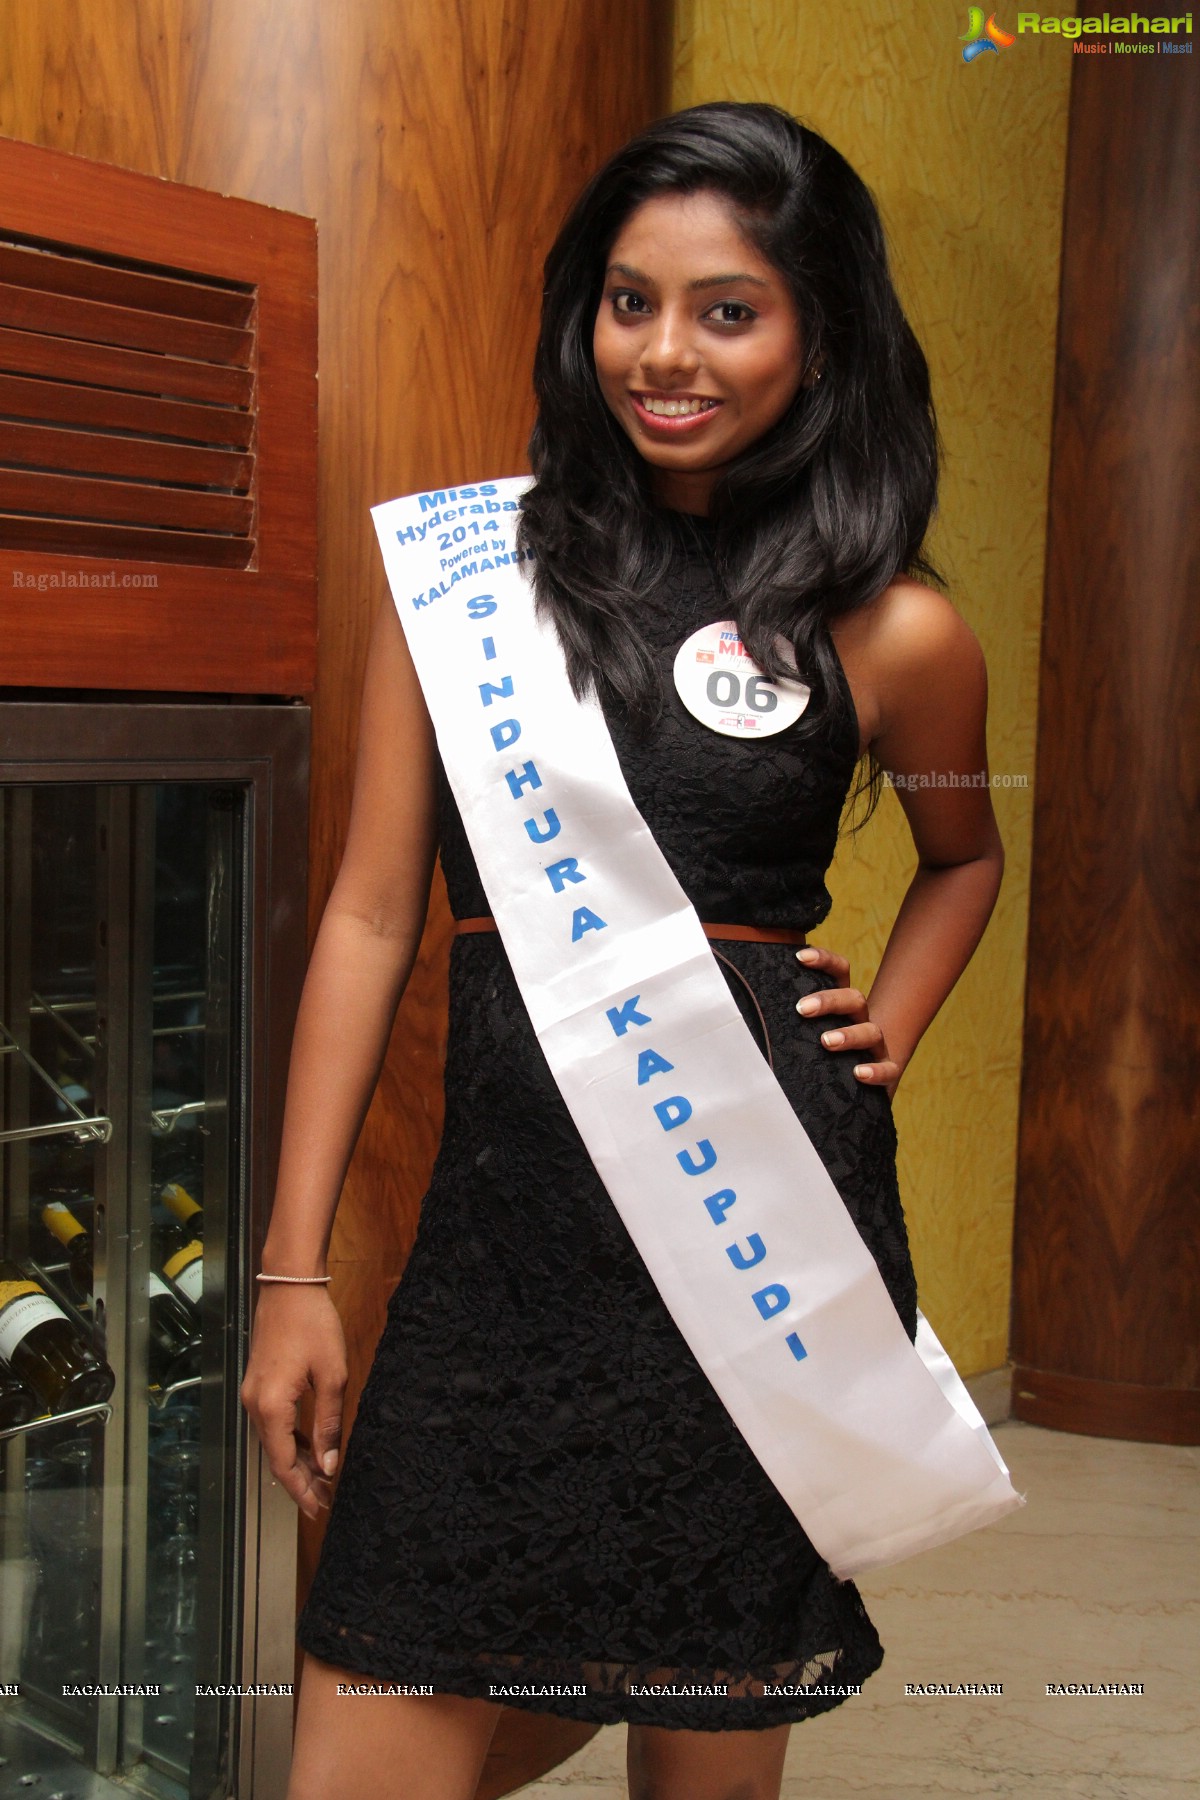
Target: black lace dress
543	1501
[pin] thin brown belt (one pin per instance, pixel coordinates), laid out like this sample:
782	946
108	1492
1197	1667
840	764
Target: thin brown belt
745	934
738	933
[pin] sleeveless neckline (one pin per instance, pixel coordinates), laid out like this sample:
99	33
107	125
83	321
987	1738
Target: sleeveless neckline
750	826
695	536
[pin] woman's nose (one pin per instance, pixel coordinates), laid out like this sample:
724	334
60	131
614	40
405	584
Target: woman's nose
669	350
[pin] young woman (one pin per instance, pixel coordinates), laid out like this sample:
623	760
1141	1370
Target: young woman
543	1494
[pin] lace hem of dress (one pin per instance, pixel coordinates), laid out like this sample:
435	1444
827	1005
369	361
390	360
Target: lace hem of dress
681	1698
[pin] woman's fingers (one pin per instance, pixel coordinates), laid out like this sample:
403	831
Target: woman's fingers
814	957
290	1453
884	1074
302	1470
833	1000
868	1040
276	1424
329	1386
862	1034
318	1493
303	1480
867	1037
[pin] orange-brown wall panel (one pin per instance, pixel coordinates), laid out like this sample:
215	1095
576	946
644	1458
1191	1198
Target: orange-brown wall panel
1106	1334
437	146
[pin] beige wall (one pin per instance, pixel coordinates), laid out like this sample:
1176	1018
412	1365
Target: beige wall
966	162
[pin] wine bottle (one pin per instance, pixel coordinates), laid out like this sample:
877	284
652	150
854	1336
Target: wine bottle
76	1240
165	1238
185	1269
180	1204
39	1343
18	1403
174	1340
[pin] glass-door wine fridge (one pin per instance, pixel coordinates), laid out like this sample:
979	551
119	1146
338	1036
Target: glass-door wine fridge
152	920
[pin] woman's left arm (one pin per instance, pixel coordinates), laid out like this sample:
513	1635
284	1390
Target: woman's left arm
929	684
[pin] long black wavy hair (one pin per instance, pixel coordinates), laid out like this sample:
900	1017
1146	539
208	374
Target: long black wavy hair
817	516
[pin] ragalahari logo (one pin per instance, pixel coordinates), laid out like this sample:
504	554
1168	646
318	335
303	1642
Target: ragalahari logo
979	36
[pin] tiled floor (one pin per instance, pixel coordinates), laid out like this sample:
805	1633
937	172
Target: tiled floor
1095	1579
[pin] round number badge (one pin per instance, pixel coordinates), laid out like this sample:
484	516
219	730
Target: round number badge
721	685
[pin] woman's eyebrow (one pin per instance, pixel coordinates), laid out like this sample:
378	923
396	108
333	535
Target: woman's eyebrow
701	281
711	281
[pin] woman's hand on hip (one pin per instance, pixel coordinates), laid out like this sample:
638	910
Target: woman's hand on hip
297	1345
863	1034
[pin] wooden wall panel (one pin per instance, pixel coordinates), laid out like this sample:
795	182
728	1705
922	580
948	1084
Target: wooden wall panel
1106	1333
437	145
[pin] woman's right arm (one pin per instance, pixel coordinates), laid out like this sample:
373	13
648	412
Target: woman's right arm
361	961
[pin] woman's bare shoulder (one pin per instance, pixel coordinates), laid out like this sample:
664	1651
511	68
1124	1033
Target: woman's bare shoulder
909	646
909	627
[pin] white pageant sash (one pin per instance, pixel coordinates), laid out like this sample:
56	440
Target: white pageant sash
874	1444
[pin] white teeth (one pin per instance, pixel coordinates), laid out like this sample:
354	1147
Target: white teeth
675	409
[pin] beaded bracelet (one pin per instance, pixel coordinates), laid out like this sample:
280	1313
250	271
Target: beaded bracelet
295	1280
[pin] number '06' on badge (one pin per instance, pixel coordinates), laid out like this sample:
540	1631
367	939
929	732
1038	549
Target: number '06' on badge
721	685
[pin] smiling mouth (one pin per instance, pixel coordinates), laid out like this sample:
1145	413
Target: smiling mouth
674	415
675	406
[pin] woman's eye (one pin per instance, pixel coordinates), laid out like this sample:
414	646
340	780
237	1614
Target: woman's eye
627	303
731	312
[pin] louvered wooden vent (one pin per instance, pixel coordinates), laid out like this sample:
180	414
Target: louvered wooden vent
157	433
128	401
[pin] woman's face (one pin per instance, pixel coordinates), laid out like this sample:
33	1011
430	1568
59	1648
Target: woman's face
697	342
